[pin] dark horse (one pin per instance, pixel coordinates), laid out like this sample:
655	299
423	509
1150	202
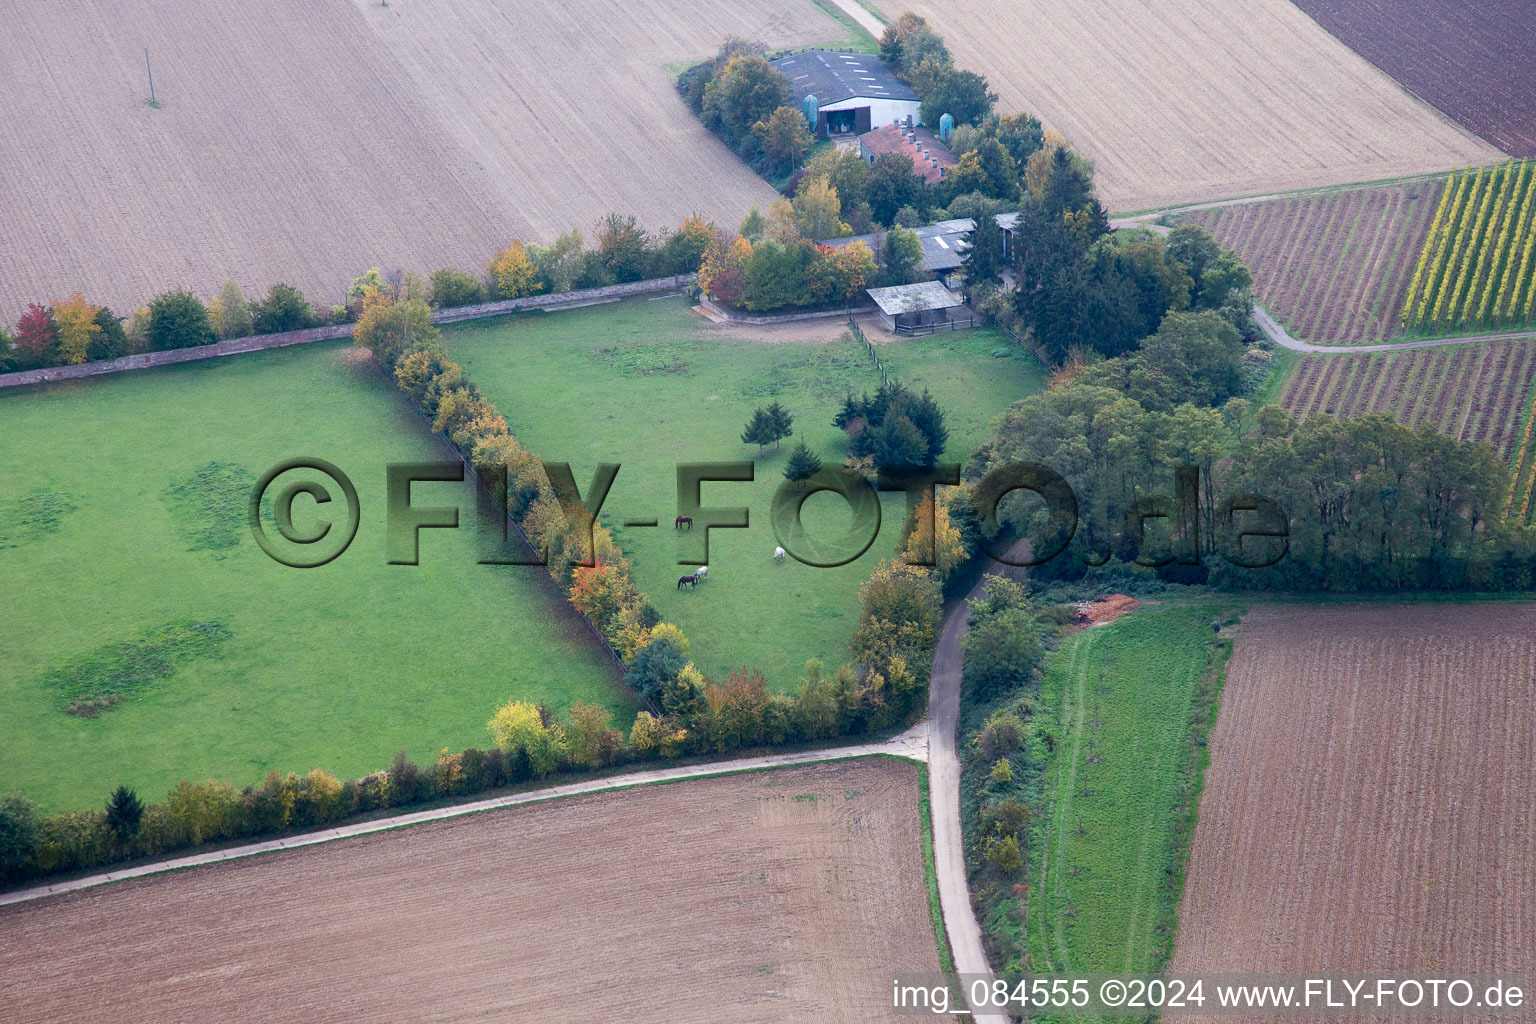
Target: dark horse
690	579
682	521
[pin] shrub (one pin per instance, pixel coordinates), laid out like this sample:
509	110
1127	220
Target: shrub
178	320
18	834
284	309
456	288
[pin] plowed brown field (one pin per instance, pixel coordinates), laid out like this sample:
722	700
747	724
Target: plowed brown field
305	140
781	896
1333	267
1370	804
1181	101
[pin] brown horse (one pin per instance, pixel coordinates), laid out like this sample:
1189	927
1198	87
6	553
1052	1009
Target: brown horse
690	579
682	521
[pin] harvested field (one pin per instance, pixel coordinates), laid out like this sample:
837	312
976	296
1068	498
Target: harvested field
1370	804
1188	100
1471	60
1334	268
305	140
777	896
1473	392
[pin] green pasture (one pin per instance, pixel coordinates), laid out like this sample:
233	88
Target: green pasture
1107	853
648	384
128	568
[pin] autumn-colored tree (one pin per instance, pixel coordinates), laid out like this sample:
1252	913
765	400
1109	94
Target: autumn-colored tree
781	222
521	733
372	282
818	211
206	810
645	735
933	540
36	342
720	271
75	327
783	137
683	251
230	313
1004	852
839	274
512	272
391	330
590	739
318	799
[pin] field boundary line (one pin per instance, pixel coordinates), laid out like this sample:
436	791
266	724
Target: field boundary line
551	301
911	745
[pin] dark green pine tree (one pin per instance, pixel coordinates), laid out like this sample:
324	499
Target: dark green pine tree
783	423
983	261
124	811
802	464
760	430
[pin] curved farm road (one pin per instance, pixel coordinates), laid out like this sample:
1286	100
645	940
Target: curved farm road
1278	334
944	788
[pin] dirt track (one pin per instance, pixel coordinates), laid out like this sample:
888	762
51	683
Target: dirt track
1370	804
748	898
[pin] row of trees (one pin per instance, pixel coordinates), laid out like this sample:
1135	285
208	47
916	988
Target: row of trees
1366	503
774	274
74	331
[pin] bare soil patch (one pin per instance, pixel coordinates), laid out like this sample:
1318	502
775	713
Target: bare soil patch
1471	60
1103	610
766	897
1186	100
1370	804
1335	267
303	141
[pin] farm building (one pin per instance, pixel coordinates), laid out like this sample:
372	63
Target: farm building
930	157
943	244
923	308
846	93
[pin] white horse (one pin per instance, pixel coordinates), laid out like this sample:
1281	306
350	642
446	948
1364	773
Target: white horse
701	572
778	554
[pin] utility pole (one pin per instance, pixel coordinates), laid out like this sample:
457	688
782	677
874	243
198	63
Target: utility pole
152	101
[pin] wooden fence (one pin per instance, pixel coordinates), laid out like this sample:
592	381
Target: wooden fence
858	332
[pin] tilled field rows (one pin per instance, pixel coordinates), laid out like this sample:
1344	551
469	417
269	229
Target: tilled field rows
1184	101
1336	267
773	896
303	141
1370	804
